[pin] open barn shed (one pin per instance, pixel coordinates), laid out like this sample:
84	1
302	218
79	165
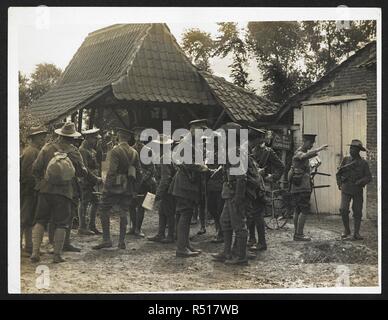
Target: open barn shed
138	75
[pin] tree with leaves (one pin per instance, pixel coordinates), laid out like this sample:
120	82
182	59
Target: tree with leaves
327	43
230	42
277	47
199	46
43	78
24	91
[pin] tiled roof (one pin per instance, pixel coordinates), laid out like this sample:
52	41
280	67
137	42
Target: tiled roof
162	73
142	61
369	50
240	104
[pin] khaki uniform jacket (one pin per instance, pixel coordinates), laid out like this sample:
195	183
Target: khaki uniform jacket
120	158
167	173
41	162
301	161
89	157
356	177
186	183
234	185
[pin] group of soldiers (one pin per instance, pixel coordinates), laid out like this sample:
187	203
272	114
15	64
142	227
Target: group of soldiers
61	180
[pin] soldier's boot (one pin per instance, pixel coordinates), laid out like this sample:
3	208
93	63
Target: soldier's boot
357	226
139	222
227	252
67	246
252	231
28	240
37	237
82	228
132	219
299	236
296	219
241	257
177	217
123	230
202	222
50	232
106	240
219	238
161	235
183	241
260	226
234	247
59	240
92	221
171	229
345	220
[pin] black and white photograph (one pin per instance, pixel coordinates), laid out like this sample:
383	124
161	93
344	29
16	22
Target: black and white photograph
194	150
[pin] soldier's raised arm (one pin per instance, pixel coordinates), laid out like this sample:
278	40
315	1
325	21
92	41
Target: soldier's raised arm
309	154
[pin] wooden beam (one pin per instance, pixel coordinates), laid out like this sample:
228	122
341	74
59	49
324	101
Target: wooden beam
80	112
222	114
192	113
118	117
92	116
334	99
73	115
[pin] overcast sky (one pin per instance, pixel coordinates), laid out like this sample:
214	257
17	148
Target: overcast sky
53	35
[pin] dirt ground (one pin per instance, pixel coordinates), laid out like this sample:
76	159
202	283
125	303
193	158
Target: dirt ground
152	267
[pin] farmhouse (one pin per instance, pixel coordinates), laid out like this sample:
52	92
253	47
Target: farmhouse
341	106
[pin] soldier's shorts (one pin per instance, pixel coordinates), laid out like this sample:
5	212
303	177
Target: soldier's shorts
27	208
233	218
301	202
108	200
54	208
358	200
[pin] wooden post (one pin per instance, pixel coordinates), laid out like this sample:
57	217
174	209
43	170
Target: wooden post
73	115
80	120
219	119
92	116
284	158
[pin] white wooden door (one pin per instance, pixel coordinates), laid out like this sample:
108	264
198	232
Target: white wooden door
335	125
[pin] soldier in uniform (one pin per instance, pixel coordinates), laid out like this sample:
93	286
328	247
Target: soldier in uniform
147	184
301	184
233	217
352	176
215	202
36	139
88	152
119	187
271	169
55	200
186	190
164	197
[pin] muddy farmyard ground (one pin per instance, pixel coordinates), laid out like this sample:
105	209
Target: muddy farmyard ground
152	267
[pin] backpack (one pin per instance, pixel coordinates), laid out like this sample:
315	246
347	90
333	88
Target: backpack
60	169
